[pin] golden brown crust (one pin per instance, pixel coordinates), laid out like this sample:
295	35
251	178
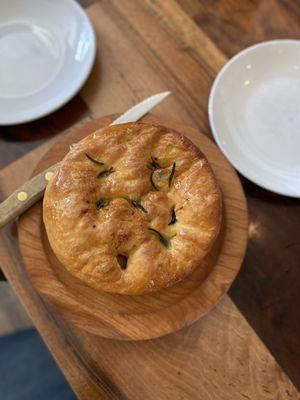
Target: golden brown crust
104	221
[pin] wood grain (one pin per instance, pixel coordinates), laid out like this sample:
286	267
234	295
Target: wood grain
268	284
17	140
48	324
187	34
217	358
114	86
267	289
236	24
152	315
25	196
12	315
146	40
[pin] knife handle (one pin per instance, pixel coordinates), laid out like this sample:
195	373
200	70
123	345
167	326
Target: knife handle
24	197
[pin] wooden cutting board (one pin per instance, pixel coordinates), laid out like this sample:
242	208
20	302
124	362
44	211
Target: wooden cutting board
219	357
144	47
156	314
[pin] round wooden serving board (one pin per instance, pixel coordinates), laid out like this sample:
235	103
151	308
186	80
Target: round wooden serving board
151	315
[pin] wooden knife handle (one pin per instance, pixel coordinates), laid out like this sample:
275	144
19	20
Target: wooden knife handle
25	196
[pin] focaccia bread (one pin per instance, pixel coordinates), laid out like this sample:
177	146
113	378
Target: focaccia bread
133	208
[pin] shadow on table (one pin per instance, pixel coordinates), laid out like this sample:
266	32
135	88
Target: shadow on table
28	371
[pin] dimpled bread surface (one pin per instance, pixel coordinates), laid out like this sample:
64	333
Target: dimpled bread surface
133	208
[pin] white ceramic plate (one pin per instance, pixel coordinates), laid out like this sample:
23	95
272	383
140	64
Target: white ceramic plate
47	49
254	113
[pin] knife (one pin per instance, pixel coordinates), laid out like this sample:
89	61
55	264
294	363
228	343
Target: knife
33	190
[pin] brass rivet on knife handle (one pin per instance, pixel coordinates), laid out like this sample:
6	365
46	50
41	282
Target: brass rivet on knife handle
22	196
25	196
48	175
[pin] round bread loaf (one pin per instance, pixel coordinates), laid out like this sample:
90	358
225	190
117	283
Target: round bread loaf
133	208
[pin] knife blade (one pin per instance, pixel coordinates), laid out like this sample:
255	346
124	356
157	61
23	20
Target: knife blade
137	112
29	193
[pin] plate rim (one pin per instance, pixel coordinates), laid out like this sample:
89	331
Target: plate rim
197	302
217	137
75	88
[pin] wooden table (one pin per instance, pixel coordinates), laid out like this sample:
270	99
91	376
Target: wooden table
144	47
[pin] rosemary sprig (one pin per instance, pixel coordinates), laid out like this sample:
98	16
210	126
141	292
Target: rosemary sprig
93	160
137	204
152	181
102	203
172	174
164	241
154	164
105	172
173	218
